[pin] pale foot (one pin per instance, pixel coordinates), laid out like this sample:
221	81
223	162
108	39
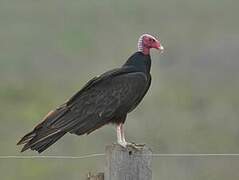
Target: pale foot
135	146
123	143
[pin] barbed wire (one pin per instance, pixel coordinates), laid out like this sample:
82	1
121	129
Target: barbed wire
102	154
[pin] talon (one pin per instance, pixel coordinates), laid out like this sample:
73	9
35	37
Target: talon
135	146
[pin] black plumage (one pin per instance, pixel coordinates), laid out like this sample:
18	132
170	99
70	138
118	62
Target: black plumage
104	99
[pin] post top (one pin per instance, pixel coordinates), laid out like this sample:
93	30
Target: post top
141	149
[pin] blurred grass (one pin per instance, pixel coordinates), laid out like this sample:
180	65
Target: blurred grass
49	49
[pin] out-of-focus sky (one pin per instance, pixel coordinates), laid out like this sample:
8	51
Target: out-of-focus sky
50	49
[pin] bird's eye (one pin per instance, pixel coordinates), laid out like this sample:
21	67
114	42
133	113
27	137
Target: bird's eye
152	40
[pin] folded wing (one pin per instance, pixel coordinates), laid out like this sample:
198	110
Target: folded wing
101	101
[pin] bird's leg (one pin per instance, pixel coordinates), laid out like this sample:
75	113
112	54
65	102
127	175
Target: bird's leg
120	135
121	138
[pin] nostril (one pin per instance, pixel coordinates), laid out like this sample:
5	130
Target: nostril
130	152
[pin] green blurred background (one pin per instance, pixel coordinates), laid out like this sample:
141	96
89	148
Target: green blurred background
50	48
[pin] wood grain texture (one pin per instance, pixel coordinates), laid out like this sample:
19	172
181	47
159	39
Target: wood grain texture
128	163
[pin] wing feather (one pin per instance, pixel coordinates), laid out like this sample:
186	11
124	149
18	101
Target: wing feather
100	103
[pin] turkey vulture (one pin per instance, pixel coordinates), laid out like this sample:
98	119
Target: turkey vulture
105	99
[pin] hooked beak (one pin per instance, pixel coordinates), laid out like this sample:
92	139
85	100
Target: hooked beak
160	47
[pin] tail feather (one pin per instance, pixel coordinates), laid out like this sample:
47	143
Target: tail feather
49	142
27	138
43	135
44	143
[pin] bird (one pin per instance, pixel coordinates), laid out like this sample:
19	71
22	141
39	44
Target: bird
105	99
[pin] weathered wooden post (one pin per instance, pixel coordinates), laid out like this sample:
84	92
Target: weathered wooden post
128	163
